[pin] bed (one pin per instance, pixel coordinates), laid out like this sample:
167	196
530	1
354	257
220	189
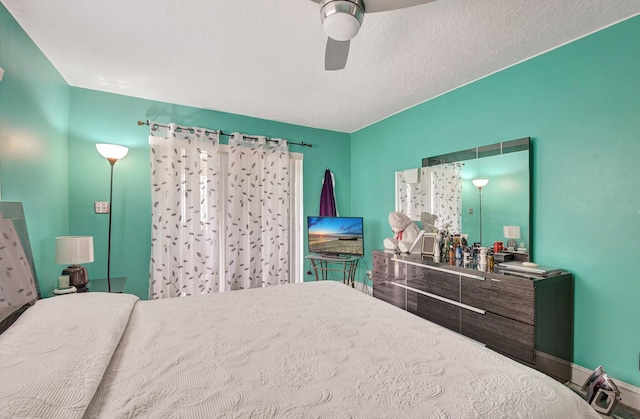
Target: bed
302	350
316	350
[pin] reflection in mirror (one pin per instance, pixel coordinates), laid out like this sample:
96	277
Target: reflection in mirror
444	187
436	190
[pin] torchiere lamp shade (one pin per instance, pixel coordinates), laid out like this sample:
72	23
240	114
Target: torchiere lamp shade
112	151
480	183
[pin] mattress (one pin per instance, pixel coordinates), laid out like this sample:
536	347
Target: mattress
316	349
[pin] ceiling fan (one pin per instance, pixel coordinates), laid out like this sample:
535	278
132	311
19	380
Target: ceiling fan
341	20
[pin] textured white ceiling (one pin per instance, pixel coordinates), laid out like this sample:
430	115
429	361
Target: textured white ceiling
265	58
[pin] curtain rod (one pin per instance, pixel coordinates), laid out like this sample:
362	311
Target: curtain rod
155	126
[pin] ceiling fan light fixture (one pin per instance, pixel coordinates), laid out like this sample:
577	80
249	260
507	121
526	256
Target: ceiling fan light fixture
341	19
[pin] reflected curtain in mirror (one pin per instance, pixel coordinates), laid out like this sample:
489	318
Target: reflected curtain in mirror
436	190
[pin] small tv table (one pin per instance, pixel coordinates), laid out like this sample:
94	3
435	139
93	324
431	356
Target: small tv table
324	266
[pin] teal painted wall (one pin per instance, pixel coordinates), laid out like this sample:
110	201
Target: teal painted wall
34	104
581	106
97	117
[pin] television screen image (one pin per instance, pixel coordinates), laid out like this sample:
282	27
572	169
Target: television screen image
336	235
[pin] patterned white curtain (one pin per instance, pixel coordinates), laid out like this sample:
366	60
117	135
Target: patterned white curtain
184	196
258	213
412	192
446	195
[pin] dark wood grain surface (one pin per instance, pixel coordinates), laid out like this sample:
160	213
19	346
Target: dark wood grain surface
383	289
501	333
440	312
500	298
521	315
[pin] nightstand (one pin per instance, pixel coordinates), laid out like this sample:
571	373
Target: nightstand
101	285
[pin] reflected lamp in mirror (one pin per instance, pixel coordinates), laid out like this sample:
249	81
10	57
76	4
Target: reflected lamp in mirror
513	234
72	251
480	183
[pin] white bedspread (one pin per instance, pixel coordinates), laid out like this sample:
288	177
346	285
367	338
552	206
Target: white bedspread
53	358
313	350
305	350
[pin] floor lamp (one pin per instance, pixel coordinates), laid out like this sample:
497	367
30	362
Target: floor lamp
480	183
112	153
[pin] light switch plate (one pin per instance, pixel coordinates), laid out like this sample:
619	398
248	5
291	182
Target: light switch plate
101	207
1	73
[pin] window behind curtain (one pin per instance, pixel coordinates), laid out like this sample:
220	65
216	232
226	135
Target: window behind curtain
296	254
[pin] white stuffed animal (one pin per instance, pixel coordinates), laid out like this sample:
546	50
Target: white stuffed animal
428	222
405	233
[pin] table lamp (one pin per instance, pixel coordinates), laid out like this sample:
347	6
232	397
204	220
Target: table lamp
72	251
512	233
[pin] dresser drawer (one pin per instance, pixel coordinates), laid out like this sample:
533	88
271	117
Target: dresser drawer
509	336
412	302
443	284
505	299
389	268
384	290
381	266
440	312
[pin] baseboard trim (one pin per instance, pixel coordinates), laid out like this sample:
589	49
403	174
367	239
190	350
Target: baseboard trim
553	366
560	368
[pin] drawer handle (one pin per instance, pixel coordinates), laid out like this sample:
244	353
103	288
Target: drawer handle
479	278
496	280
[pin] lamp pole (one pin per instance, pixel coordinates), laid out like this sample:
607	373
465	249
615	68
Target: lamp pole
112	162
480	192
480	183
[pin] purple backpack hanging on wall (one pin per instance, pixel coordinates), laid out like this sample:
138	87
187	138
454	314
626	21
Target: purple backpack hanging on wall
327	199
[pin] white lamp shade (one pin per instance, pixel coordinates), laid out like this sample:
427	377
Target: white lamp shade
480	183
511	232
74	250
112	151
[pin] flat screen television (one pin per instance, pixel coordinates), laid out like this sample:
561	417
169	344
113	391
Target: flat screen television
336	236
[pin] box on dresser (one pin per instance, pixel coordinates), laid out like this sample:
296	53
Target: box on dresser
527	319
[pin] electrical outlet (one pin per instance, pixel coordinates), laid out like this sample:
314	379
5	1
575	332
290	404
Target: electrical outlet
101	207
470	211
369	273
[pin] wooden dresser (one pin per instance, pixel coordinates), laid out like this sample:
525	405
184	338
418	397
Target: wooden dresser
529	320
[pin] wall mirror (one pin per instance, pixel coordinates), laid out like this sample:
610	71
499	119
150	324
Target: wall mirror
493	208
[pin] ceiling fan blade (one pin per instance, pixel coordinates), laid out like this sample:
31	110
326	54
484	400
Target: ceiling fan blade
335	56
373	6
